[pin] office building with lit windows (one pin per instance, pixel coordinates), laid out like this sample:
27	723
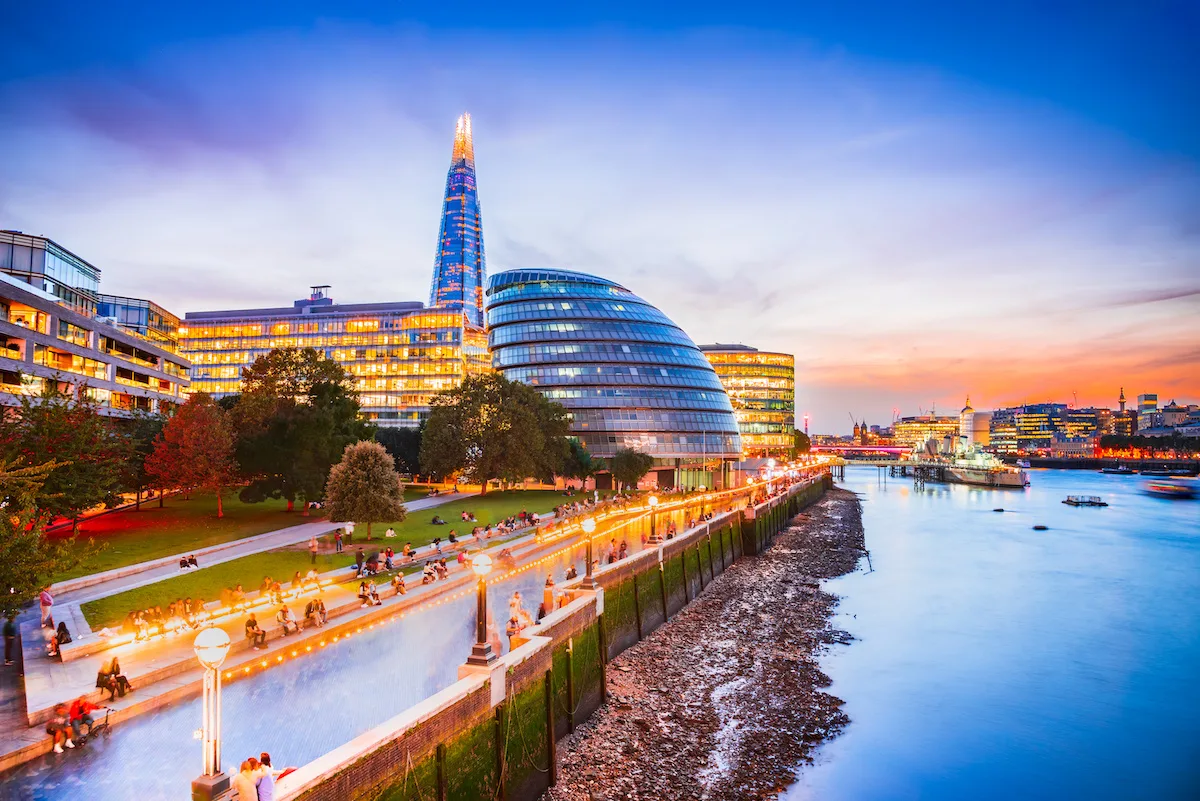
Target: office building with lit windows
628	376
55	326
914	432
399	355
761	386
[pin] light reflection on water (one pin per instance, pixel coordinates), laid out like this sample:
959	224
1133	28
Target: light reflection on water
998	662
297	710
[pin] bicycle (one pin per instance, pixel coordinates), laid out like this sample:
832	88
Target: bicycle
102	727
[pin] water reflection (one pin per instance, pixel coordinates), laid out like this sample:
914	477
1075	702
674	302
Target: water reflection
993	661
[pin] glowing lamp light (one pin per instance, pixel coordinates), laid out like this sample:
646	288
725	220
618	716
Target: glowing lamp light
653	501
588	525
211	647
481	564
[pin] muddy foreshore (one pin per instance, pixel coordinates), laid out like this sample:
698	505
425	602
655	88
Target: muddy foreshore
726	700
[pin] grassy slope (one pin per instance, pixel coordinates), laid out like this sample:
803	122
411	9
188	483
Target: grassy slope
281	564
129	537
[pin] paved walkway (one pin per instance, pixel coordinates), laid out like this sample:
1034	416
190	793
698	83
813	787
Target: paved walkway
164	670
111	582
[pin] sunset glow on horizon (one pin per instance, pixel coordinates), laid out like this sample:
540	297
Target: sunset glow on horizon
915	225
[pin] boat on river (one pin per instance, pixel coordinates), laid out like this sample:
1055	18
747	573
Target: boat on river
1176	490
1084	500
1119	470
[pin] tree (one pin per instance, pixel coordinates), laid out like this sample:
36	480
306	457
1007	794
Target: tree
628	466
27	557
802	443
295	417
195	450
580	464
492	428
141	431
88	452
292	373
404	444
364	487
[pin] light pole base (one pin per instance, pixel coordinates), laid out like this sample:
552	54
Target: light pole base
482	655
208	788
589	583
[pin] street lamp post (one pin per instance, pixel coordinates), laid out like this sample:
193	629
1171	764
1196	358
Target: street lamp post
211	647
653	502
481	652
589	581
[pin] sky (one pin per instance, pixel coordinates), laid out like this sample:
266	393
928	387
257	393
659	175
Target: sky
921	201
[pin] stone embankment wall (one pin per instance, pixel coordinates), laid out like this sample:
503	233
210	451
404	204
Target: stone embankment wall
493	733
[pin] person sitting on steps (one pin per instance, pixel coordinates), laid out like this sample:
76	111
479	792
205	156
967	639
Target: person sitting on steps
256	636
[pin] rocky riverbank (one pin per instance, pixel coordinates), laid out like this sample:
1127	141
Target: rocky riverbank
726	700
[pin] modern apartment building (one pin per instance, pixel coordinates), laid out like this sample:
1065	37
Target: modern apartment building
761	385
56	326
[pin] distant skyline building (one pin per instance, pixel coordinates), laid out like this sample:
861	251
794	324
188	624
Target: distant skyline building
56	327
460	269
628	375
912	432
761	386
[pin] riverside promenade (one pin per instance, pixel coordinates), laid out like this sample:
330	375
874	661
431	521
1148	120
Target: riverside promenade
165	670
28	695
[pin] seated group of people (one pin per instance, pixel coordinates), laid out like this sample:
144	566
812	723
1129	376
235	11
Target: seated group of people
66	724
434	570
112	680
467	517
368	594
188	562
314	613
182	613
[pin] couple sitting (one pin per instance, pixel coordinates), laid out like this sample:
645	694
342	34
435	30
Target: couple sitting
314	613
369	594
111	679
188	562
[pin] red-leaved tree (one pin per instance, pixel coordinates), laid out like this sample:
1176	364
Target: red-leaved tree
195	450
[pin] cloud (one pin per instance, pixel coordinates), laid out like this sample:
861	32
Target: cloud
908	238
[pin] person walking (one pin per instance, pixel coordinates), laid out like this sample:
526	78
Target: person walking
45	602
312	548
10	639
359	558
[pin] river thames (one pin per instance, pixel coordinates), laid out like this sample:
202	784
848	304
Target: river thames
992	661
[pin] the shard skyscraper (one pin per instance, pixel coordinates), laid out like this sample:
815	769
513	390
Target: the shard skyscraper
459	270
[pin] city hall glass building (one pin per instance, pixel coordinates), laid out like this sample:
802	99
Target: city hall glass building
629	377
762	388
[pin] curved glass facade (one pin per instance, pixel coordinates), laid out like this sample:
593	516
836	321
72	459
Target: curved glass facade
629	376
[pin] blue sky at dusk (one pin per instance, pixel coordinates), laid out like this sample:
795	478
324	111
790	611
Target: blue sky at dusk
918	200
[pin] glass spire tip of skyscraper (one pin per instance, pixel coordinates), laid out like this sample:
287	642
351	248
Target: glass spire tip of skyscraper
459	269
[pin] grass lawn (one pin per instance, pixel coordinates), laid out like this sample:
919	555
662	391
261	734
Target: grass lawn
132	536
281	564
490	508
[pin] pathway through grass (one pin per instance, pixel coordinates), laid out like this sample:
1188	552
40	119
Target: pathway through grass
281	564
